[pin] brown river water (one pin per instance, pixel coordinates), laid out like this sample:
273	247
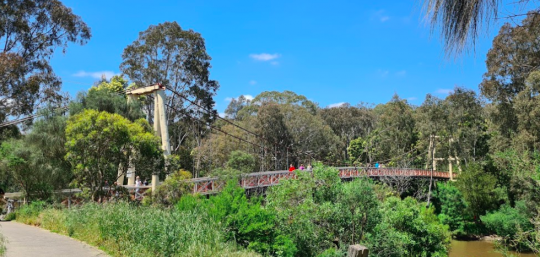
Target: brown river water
477	249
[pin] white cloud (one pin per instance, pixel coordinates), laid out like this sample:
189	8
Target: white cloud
252	82
248	97
380	15
336	105
412	99
274	63
383	73
401	73
95	75
444	91
222	114
264	57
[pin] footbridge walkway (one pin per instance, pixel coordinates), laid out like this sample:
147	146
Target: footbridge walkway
209	185
212	185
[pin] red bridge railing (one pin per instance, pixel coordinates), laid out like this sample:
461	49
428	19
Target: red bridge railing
270	178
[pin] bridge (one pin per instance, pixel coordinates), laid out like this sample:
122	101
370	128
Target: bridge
262	180
208	185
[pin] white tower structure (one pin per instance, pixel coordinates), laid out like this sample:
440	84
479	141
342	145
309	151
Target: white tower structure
160	125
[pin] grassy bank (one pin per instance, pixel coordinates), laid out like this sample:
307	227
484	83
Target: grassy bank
124	230
2	245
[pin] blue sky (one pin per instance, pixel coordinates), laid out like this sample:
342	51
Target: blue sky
330	51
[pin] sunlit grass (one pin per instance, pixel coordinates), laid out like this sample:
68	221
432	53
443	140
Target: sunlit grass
125	230
2	245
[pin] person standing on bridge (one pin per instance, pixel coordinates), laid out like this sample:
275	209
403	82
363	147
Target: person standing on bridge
291	168
376	165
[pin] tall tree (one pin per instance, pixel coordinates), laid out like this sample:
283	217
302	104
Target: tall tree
396	130
348	123
510	61
30	31
98	142
235	106
176	58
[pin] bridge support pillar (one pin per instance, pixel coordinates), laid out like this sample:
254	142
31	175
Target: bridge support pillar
155	182
357	251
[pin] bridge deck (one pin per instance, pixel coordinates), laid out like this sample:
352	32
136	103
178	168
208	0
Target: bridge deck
210	185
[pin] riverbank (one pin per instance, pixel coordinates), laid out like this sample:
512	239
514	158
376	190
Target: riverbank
479	248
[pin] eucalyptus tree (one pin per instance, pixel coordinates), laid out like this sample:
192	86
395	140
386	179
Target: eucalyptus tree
348	123
311	137
278	141
466	125
431	123
395	131
176	58
510	61
30	32
235	106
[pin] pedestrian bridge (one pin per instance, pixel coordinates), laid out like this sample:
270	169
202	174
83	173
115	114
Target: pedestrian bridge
208	185
262	180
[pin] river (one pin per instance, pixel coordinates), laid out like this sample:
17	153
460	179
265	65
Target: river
477	249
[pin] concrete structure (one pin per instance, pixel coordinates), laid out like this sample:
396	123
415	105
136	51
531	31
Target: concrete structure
160	125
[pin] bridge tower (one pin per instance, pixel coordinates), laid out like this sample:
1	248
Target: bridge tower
432	150
160	125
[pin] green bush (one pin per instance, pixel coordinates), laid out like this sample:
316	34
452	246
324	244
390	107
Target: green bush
408	228
11	216
507	221
29	213
245	221
172	189
452	211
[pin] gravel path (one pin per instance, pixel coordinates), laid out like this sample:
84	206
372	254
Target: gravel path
28	241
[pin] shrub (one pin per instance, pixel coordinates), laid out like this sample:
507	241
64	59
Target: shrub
29	213
11	216
173	188
507	221
410	229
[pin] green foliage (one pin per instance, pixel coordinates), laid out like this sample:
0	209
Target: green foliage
31	32
108	97
173	188
124	230
451	206
241	161
407	228
99	142
314	210
10	216
29	214
20	166
246	222
478	189
507	221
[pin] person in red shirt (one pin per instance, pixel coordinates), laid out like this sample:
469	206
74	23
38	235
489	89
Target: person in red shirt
291	168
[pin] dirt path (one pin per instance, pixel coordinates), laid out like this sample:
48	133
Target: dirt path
28	241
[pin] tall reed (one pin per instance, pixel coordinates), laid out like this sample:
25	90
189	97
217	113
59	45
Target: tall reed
125	230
